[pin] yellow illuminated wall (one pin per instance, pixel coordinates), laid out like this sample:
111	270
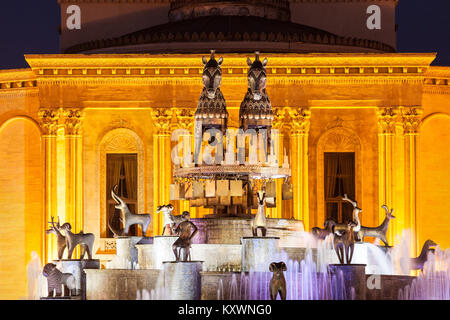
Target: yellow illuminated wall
21	204
434	180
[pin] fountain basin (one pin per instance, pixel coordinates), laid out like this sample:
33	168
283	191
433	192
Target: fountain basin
182	280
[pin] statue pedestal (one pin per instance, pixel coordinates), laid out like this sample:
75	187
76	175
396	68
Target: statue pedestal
126	253
258	253
77	267
182	280
354	276
162	250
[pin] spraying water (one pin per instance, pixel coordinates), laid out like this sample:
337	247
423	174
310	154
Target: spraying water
434	282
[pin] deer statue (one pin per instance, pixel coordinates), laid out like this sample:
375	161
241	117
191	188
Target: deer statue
85	240
419	262
260	222
127	217
356	211
344	243
320	233
379	232
60	238
169	221
186	231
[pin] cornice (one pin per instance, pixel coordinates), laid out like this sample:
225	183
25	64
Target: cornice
176	61
185	69
437	80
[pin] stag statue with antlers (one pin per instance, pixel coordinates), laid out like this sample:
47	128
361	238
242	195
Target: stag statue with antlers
127	217
60	238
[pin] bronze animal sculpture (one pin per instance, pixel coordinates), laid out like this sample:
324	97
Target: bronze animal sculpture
127	217
85	240
168	221
255	111
379	232
344	243
278	282
356	211
419	262
56	280
117	233
257	77
60	238
211	109
259	221
212	75
187	231
321	234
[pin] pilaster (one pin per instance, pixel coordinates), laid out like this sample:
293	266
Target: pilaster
162	164
300	124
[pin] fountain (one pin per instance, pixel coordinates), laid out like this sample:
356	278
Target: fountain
229	254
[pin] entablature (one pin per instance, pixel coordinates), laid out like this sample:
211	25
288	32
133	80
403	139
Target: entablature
177	68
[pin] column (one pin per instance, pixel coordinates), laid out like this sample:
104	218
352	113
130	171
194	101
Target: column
48	122
63	171
390	165
411	119
300	124
162	163
185	121
279	123
72	120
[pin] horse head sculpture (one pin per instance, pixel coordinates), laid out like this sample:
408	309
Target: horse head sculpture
257	76
212	75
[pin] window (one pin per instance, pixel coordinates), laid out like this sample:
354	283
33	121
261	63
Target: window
339	180
121	170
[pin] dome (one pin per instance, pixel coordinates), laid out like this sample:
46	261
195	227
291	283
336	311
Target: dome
197	26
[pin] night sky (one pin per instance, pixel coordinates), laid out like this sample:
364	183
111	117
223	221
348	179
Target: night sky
31	26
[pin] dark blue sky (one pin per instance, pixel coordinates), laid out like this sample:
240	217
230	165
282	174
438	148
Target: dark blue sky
31	26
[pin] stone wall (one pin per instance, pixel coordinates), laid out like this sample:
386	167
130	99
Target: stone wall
119	284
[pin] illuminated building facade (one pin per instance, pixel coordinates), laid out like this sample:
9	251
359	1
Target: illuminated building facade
354	117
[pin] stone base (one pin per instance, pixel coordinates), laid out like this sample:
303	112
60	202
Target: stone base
162	250
107	284
258	253
61	298
354	276
77	268
182	280
126	253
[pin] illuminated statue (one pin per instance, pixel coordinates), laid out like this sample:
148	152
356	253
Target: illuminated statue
128	218
187	231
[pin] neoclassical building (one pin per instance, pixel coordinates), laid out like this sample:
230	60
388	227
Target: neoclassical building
354	116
